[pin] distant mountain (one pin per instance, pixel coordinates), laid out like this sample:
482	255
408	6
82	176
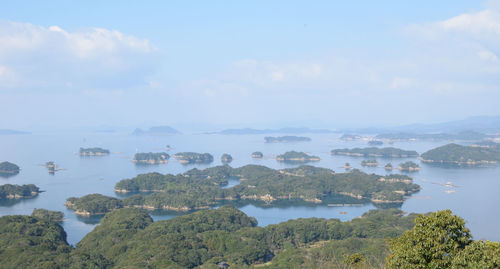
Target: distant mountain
12	132
482	124
286	130
156	130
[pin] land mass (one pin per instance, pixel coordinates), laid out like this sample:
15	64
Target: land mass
151	158
286	139
296	157
10	191
156	130
93	152
388	152
459	155
193	157
286	130
8	169
199	189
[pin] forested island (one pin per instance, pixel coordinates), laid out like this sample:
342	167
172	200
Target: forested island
198	189
8	169
369	162
388	152
409	167
286	139
193	157
296	157
375	143
257	155
93	152
388	167
458	155
226	158
10	191
226	237
151	158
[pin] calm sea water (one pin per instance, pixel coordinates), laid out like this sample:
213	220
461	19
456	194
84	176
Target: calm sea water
476	197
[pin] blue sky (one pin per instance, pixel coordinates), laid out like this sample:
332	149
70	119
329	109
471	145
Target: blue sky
214	64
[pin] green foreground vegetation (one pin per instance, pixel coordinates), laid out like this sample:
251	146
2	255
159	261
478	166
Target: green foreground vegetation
198	189
128	238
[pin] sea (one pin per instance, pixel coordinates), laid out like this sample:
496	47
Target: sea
471	193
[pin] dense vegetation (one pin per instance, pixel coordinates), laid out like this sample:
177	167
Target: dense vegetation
388	152
257	154
9	191
388	167
296	157
226	158
128	238
151	158
370	162
441	240
48	215
93	151
9	168
93	204
463	155
193	157
409	166
286	139
198	189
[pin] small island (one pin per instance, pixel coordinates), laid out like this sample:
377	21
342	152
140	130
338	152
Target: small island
375	143
48	215
296	157
458	155
388	167
388	152
409	167
52	167
93	152
257	155
151	158
10	191
193	157
347	166
286	139
8	169
369	163
226	158
350	137
93	204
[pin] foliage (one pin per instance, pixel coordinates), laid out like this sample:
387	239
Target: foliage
408	166
18	191
48	215
153	158
257	154
294	156
8	167
226	158
388	152
93	204
93	151
193	157
458	154
433	243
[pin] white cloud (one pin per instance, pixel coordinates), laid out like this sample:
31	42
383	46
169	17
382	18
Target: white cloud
51	57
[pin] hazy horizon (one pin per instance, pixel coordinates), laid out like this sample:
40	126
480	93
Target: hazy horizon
215	65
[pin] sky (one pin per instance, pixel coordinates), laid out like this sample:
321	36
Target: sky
205	65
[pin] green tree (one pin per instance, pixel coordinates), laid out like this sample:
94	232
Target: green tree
433	243
478	254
